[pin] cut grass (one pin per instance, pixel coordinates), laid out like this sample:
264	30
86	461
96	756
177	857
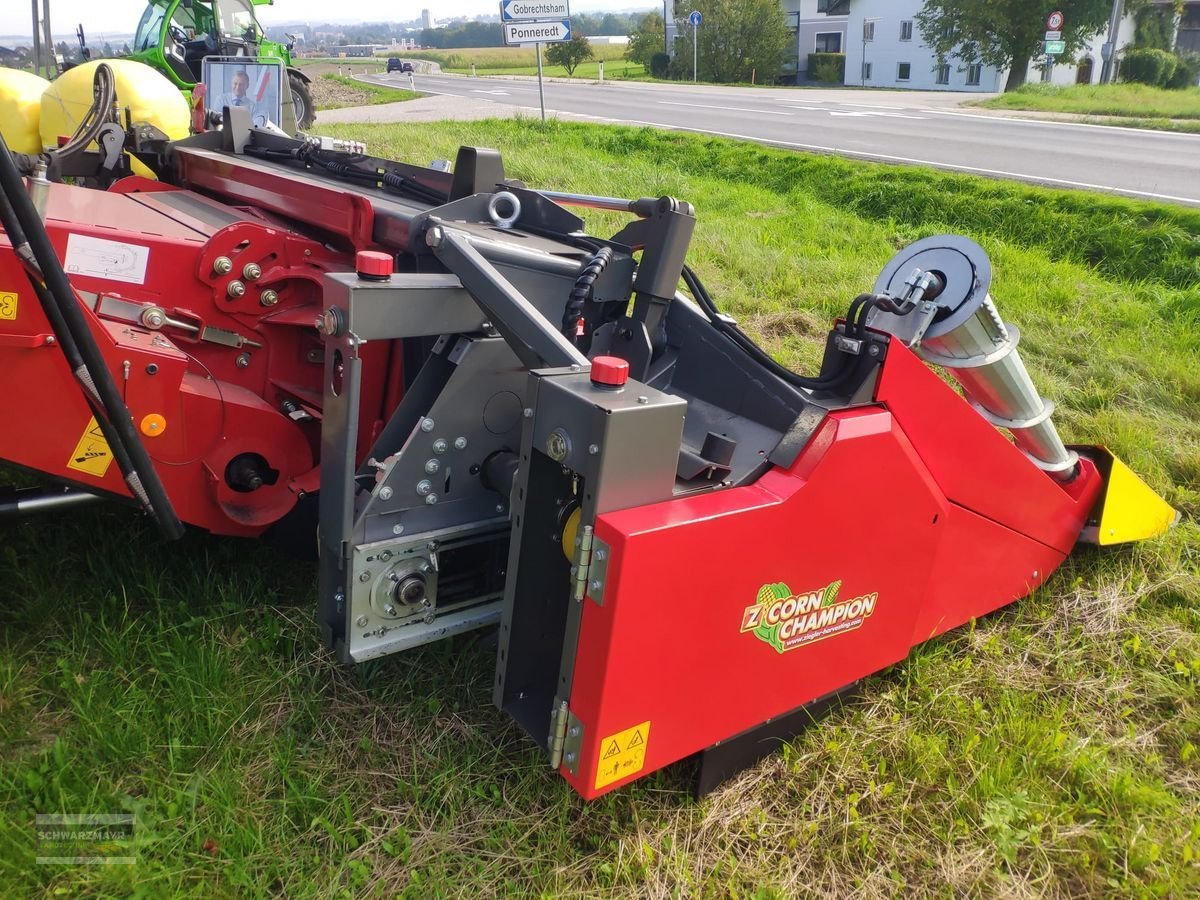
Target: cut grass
1047	750
1131	101
364	93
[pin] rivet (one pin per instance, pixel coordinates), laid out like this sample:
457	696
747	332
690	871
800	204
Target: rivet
427	424
460	443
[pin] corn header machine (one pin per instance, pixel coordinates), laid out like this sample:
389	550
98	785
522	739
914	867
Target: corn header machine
490	418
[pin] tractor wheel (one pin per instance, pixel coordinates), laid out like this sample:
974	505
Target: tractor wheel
302	101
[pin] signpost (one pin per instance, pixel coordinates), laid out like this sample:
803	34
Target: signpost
536	22
694	20
1054	44
1054	22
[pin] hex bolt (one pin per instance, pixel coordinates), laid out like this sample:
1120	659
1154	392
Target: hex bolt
499	507
570	757
429	617
390	609
595	585
424	487
426	568
154	317
222	265
440	445
643	400
432	465
593	449
574	732
364	577
235	289
434	237
460	443
431	499
251	271
361	621
527	413
427	424
242	361
397	529
268	297
385	555
599	555
385	493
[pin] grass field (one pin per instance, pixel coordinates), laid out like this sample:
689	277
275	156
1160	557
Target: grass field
1140	104
337	91
1049	750
523	61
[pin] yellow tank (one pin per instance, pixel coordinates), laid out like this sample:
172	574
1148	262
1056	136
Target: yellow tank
21	109
148	95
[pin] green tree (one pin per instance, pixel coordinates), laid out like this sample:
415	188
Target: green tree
1007	34
738	40
569	54
646	40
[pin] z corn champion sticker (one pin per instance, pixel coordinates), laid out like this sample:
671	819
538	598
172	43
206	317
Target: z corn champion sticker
786	621
92	455
622	754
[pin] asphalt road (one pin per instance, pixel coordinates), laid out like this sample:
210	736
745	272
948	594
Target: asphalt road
923	128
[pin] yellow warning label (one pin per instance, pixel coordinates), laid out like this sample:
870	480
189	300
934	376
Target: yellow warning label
623	754
8	304
92	454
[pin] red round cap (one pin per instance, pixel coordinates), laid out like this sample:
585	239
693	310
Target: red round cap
373	263
610	370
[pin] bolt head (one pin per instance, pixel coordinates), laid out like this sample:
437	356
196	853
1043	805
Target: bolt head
235	289
570	757
434	237
397	529
222	265
431	499
389	609
593	449
432	465
268	297
385	493
424	487
643	400
426	568
440	445
527	413
429	617
361	621
242	361
427	424
364	577
250	271
595	585
385	555
460	443
499	507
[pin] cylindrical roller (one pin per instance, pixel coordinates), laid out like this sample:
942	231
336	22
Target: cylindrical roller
969	339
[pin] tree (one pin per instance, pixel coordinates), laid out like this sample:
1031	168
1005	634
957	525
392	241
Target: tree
569	54
646	40
737	41
1009	34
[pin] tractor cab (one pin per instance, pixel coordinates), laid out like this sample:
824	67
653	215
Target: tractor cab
175	37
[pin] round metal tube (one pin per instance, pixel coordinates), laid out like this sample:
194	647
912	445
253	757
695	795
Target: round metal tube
590	201
26	502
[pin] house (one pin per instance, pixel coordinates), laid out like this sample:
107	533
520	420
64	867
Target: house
819	27
885	49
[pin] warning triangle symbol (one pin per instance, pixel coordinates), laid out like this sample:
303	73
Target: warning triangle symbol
636	739
612	750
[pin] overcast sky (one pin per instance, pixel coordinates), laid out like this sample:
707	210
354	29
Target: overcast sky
121	16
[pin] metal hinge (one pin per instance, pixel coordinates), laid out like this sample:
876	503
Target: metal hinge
558	733
583	561
591	568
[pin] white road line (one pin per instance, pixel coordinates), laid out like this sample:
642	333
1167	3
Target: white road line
1063	124
765	112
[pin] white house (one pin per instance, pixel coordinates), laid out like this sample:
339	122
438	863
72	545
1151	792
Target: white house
885	49
819	26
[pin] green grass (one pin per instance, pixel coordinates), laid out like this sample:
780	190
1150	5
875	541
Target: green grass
523	61
1132	101
373	94
1048	750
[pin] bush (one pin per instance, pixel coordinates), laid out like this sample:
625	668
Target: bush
1146	66
827	68
1187	73
660	64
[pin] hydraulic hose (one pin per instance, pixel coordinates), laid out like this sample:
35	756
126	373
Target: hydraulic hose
116	423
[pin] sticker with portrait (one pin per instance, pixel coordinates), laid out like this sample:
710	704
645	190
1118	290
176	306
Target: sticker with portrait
251	82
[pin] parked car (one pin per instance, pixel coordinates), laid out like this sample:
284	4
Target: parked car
395	64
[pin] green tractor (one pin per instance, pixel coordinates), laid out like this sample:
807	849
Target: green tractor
174	36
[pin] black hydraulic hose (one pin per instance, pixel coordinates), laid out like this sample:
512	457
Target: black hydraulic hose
117	425
582	291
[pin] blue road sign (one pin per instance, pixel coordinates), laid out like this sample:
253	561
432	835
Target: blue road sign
695	18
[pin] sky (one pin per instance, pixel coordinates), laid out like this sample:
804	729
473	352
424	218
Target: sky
121	16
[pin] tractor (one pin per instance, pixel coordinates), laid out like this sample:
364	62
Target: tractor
175	36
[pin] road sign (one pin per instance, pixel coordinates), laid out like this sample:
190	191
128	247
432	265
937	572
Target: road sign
1106	52
1054	22
1054	48
1054	35
695	18
532	10
537	32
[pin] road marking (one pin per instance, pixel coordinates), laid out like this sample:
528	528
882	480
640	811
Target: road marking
477	91
990	118
765	112
885	115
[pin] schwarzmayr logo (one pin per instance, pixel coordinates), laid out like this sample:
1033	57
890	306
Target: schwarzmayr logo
787	621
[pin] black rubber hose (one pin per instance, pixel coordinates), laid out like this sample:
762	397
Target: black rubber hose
117	425
582	291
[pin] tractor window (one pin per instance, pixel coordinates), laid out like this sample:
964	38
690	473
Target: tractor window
237	20
186	19
149	28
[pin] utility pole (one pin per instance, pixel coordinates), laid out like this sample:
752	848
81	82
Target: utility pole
1114	30
37	39
51	57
